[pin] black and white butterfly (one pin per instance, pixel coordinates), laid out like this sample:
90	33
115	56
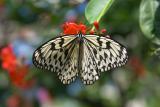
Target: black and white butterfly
83	55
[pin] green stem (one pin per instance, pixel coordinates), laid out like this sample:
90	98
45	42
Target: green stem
103	11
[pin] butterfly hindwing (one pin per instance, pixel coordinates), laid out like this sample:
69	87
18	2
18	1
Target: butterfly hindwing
58	55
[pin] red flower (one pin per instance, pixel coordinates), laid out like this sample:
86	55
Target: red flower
92	32
16	71
96	25
13	101
18	77
137	66
73	28
8	58
103	31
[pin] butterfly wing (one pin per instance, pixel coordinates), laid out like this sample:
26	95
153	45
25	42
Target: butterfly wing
59	55
102	54
90	72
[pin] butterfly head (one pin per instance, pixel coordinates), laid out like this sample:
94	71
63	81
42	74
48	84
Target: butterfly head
80	37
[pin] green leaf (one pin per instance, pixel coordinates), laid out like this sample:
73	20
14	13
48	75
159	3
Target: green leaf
96	9
150	18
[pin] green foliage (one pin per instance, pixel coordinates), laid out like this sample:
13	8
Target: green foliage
96	9
149	18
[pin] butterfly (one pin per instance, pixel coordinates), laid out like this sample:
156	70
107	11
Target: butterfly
80	55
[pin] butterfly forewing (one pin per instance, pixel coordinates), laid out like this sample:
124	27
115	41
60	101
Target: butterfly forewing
107	53
59	55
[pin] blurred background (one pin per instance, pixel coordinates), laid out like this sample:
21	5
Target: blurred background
26	24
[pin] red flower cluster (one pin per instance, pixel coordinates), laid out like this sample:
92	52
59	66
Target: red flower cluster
73	28
16	72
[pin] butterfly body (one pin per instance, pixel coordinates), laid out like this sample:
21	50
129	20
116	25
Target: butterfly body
83	55
80	55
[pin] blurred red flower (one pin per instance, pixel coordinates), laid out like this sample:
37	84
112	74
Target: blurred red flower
17	72
18	77
137	66
92	32
13	101
96	25
73	28
8	58
103	31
